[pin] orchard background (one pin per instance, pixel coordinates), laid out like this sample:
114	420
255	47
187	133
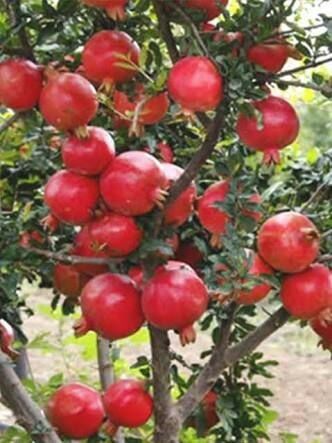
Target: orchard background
207	146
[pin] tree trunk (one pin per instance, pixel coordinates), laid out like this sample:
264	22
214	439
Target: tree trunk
167	422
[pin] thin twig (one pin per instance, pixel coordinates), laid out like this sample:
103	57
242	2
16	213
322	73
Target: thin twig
304	67
14	11
324	89
72	259
10	121
326	234
314	196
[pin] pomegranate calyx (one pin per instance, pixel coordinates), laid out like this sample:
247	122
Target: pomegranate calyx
116	13
160	197
81	327
81	132
7	338
187	335
310	234
110	429
215	241
271	156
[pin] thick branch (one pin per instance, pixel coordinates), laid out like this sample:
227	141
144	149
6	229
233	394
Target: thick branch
167	421
326	257
7	123
72	259
105	367
165	31
304	67
28	414
220	360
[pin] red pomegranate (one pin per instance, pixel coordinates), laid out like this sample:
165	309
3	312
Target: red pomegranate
86	247
50	223
116	234
269	56
136	273
180	210
76	411
324	330
189	253
105	52
209	410
154	109
195	84
68	101
90	155
123	109
307	293
174	298
277	127
111	306
254	214
133	183
289	242
20	84
116	9
30	237
209	7
68	281
128	404
257	268
71	197
7	339
166	152
211	217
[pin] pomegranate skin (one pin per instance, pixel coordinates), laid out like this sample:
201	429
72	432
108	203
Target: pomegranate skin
289	242
269	56
91	155
180	210
132	183
128	404
71	197
209	408
20	84
175	297
118	235
195	84
189	253
76	411
68	101
208	6
324	330
261	290
307	293
86	247
280	127
104	51
68	281
111	305
212	218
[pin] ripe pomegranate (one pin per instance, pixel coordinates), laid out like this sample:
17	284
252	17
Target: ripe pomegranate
257	268
68	101
111	306
128	404
269	56
195	84
76	411
255	215
189	253
110	57
71	197
180	210
324	330
174	298
289	242
50	223
212	218
68	281
166	152
133	183
116	234
209	7
20	84
154	109
86	247
279	127
30	237
90	155
116	9
124	110
7	338
307	293
209	410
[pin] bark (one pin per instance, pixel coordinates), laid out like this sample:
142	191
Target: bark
27	413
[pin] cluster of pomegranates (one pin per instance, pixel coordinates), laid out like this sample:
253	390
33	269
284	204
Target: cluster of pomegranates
78	411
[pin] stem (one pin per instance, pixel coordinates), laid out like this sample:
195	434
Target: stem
167	421
304	67
28	414
325	89
72	259
222	358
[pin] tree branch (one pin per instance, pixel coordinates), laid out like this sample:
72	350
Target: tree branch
221	359
72	259
105	367
7	123
304	67
320	190
326	257
324	89
28	414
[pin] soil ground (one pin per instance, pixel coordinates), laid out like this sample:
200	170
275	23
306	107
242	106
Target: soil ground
302	384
